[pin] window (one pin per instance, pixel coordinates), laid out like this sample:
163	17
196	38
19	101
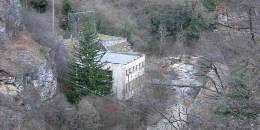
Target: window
129	87
135	83
126	87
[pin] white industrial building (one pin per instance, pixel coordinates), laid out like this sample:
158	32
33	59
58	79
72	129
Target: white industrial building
127	66
127	70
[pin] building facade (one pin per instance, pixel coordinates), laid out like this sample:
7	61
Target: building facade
126	65
128	73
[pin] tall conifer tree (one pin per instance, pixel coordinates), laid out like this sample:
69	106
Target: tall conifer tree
87	75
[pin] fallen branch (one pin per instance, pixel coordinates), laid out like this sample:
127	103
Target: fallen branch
232	27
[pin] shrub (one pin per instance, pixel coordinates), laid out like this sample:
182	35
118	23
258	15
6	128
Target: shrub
210	5
195	25
39	5
237	100
66	9
127	31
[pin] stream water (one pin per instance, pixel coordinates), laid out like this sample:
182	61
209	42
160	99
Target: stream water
181	74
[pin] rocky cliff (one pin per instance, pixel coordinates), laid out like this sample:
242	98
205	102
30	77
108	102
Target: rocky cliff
27	75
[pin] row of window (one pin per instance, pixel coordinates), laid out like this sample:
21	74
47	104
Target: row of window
135	68
132	85
136	83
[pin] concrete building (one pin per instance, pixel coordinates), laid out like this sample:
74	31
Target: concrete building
126	65
128	73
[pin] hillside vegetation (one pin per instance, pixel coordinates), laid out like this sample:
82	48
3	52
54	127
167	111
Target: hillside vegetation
202	68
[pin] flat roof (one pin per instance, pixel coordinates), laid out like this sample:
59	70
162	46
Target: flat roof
120	58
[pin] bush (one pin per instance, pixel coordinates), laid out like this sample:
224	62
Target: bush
195	26
210	5
66	9
127	31
39	5
237	100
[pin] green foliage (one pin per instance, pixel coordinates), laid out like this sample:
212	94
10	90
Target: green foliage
39	5
66	9
86	76
238	103
180	21
127	31
24	3
210	5
238	89
166	17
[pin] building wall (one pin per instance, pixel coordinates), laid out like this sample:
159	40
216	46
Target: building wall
127	79
118	79
134	73
132	88
134	69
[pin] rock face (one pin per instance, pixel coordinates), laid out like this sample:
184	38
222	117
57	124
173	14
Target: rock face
45	82
29	99
27	80
30	64
8	85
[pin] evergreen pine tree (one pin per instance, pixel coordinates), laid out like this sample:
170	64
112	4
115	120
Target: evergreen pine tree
87	75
